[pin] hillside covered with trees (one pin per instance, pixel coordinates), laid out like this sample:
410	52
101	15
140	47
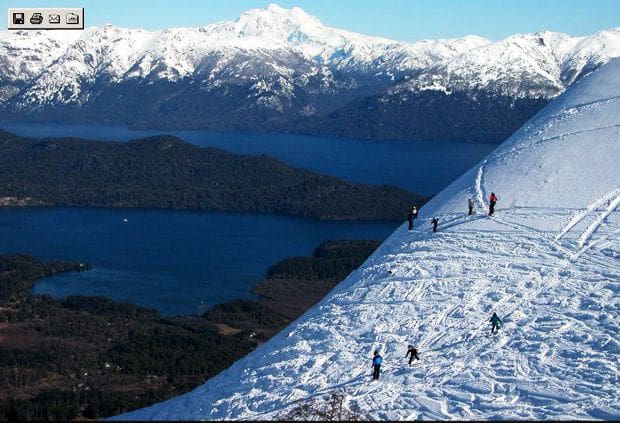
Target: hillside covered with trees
165	172
91	357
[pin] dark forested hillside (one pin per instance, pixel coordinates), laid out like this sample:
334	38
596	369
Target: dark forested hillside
430	115
165	172
292	286
295	284
91	357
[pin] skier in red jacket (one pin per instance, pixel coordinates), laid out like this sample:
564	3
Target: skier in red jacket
492	201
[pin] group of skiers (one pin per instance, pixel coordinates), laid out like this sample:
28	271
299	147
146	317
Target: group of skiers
496	322
413	214
412	352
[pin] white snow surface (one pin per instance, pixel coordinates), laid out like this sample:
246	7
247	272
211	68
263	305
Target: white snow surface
547	263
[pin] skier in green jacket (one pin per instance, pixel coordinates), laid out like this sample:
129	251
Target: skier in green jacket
496	323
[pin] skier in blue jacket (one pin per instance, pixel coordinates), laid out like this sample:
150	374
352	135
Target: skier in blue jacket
376	365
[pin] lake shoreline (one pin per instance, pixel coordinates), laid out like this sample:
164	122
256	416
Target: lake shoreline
176	261
125	372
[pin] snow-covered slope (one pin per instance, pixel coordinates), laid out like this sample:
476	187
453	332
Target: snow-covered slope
24	56
547	263
65	66
275	27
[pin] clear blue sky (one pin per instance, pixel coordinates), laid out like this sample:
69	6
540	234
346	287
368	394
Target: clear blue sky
406	20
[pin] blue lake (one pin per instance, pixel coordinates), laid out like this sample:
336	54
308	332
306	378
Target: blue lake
182	262
178	262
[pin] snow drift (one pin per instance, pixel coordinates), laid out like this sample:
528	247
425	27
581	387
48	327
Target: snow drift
547	263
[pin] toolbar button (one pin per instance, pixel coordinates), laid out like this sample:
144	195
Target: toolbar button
73	18
40	18
36	18
18	18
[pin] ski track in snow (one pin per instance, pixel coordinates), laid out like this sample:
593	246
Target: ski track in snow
579	216
528	146
599	220
479	187
547	262
612	199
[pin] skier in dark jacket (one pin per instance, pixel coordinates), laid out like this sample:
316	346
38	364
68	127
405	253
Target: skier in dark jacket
414	211
413	353
435	221
410	220
470	206
492	202
376	365
496	323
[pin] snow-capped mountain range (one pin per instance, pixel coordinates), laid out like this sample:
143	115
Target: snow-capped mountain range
528	65
273	68
546	262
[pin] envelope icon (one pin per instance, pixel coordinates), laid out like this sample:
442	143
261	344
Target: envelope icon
73	18
54	19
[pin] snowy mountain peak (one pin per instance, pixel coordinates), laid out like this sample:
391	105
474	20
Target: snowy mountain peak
286	62
546	263
275	22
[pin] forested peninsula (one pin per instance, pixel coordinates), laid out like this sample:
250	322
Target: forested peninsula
165	172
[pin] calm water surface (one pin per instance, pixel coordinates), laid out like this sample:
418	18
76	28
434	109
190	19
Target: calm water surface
181	262
178	262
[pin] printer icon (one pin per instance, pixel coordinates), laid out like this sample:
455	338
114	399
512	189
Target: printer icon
72	18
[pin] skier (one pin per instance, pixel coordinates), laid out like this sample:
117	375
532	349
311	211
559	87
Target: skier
410	220
492	201
376	365
496	323
435	221
414	211
470	206
411	350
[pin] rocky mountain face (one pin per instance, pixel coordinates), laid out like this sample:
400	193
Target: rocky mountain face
277	69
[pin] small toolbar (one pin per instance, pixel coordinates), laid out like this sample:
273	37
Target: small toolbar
46	18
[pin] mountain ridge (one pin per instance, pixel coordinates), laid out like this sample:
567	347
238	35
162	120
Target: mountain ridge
282	70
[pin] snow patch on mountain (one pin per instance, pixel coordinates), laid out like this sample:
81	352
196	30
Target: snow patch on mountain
547	263
540	65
